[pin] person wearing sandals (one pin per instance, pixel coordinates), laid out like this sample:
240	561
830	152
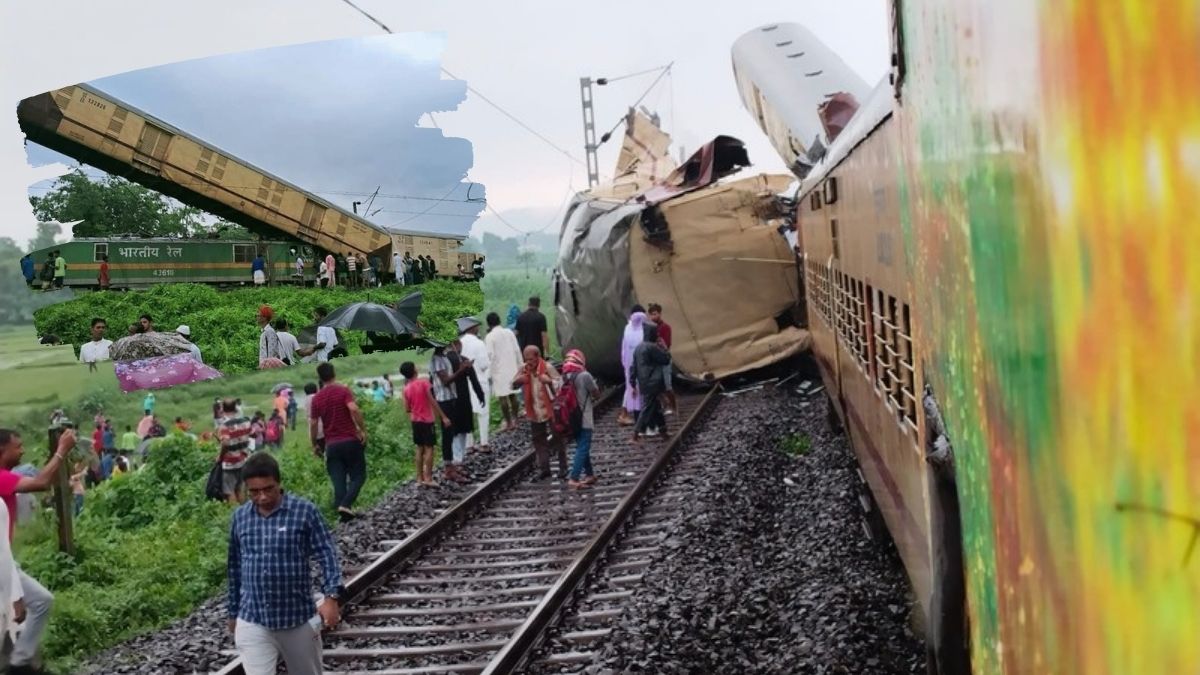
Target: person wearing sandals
575	374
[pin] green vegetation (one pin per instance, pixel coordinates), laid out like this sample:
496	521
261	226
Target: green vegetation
506	287
112	206
223	321
150	547
796	445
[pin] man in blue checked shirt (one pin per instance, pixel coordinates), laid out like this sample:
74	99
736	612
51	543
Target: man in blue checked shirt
271	608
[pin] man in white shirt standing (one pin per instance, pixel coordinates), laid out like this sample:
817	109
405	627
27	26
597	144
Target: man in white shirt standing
398	267
326	337
187	335
474	349
97	349
290	346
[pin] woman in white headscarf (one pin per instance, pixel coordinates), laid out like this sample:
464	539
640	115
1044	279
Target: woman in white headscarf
634	335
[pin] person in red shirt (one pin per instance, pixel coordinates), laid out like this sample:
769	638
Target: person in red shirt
103	278
420	403
35	601
345	439
98	439
654	313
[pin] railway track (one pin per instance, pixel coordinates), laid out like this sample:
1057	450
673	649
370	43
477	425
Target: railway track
489	580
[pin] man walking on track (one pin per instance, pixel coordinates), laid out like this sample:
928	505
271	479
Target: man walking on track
531	328
345	439
654	314
474	349
540	381
649	359
504	362
31	602
272	541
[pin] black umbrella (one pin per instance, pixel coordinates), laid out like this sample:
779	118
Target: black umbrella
410	306
371	317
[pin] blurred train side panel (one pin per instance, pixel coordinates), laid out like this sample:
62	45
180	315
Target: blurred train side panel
996	245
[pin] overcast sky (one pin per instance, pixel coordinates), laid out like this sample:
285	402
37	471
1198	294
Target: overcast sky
343	117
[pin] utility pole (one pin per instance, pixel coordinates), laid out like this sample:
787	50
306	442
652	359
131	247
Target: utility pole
589	131
63	497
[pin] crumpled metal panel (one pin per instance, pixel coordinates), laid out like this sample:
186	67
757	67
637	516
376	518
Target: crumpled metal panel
593	288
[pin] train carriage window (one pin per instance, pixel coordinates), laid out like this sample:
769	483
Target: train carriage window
892	385
869	334
907	383
882	343
154	141
833	235
98	251
861	334
243	253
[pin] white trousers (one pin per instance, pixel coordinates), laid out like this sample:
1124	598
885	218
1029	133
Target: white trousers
38	601
459	446
261	647
482	420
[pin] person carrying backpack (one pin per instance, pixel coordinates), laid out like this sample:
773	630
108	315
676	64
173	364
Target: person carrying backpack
580	416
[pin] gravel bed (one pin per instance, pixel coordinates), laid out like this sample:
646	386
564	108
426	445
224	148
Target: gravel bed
768	571
194	643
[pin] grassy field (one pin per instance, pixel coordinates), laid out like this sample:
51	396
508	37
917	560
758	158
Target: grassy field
503	288
123	581
35	379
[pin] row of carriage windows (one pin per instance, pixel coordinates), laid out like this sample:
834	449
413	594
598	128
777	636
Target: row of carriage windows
876	328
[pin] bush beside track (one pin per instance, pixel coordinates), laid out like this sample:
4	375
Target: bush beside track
150	547
222	321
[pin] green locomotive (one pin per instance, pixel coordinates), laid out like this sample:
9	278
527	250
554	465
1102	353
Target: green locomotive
141	262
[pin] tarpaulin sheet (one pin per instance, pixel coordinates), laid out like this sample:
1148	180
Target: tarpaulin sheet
728	285
160	372
592	286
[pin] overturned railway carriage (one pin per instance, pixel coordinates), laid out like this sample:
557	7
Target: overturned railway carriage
1004	300
100	130
709	252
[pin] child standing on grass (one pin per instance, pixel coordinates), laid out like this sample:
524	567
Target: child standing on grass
419	401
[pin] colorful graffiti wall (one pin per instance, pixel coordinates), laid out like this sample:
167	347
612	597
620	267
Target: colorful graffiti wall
1052	167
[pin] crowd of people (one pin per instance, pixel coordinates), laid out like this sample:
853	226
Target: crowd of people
275	535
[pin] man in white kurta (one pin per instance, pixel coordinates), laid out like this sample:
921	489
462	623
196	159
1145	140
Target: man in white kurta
504	361
473	348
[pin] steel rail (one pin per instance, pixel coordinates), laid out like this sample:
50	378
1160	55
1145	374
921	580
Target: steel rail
433	531
518	648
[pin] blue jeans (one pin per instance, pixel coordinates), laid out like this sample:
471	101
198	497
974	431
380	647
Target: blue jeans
346	463
583	455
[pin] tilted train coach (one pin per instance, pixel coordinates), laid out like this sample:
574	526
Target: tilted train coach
103	131
1003	296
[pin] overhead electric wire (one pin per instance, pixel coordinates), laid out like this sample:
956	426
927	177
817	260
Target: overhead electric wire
475	91
665	69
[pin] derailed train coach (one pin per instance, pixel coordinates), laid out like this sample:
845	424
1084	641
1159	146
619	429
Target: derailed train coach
710	251
1004	303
